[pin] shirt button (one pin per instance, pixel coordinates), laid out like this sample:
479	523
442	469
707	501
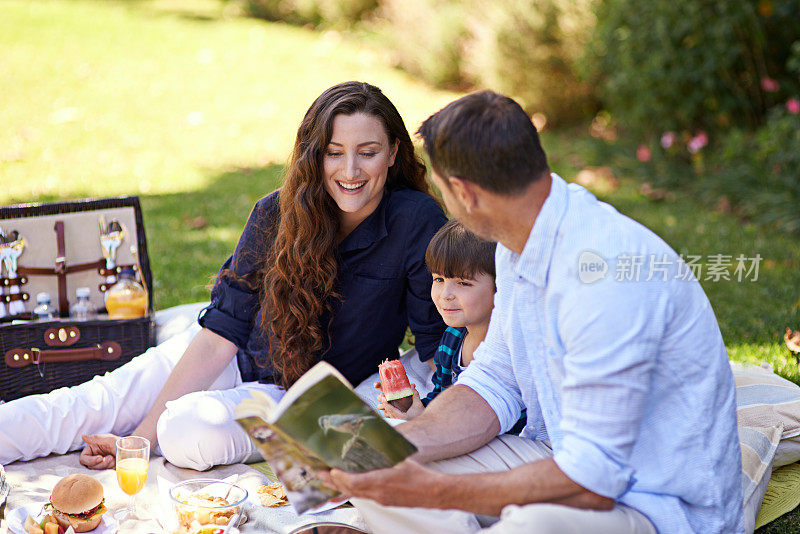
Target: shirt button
455	374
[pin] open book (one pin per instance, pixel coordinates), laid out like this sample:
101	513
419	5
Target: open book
319	424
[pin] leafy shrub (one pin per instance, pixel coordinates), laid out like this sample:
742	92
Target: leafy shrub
529	49
759	171
427	37
525	48
319	13
689	65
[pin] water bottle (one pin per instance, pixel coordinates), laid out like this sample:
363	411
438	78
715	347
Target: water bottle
83	309
43	310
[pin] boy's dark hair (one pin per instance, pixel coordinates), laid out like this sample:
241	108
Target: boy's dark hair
455	252
485	138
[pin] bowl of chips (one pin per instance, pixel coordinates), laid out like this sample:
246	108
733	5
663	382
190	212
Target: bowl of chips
203	503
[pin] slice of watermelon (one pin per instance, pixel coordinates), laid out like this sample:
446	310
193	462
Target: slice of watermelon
395	385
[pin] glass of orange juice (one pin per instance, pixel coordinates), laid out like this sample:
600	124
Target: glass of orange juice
133	457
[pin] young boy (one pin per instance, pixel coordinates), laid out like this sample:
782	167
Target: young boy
462	265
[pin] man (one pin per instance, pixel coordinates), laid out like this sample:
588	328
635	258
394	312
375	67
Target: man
598	330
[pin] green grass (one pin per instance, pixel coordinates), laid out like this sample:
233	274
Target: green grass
193	111
196	112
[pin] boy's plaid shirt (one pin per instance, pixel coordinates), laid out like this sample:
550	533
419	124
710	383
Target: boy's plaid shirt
448	368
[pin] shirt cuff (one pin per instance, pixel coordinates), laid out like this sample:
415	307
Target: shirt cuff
505	409
234	330
586	464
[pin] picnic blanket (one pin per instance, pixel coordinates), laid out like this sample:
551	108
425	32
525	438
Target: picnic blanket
782	496
32	481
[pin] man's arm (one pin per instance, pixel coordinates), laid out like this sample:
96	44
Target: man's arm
411	484
457	422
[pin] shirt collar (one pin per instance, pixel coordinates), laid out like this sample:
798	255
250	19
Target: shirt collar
534	262
368	231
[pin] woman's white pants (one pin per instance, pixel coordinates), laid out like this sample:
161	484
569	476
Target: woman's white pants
195	431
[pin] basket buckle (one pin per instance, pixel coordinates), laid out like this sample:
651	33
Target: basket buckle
35	355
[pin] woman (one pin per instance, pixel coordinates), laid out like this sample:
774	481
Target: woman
329	267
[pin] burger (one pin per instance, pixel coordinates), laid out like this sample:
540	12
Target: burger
77	502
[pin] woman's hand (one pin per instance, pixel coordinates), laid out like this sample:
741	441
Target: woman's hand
388	410
100	451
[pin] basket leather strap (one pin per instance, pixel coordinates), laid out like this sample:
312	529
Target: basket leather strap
61	269
11	297
16	281
20	357
72	268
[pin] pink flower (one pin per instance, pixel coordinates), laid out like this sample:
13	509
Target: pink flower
669	139
793	106
643	153
770	85
697	142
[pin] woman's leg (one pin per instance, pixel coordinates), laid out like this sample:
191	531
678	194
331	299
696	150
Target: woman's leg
115	402
198	430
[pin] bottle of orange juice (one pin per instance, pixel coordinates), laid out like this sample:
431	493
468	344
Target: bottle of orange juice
126	299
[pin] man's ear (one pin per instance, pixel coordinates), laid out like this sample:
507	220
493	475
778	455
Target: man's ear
465	191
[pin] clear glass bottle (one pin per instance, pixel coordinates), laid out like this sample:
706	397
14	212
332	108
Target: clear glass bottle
126	299
43	310
83	309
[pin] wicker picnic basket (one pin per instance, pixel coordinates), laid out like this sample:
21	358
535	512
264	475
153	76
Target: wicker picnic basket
62	251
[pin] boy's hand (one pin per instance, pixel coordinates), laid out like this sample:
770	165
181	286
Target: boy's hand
388	410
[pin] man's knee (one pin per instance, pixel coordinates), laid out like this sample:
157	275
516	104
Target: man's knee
194	432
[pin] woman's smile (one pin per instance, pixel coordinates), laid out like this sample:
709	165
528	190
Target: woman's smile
350	187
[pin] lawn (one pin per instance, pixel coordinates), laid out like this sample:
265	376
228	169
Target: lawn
195	112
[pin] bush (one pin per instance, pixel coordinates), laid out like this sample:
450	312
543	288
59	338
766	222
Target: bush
525	48
319	13
759	171
529	49
689	65
427	37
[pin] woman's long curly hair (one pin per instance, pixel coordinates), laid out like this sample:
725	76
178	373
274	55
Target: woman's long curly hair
299	275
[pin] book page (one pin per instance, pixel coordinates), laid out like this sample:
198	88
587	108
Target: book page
259	404
332	422
307	381
293	464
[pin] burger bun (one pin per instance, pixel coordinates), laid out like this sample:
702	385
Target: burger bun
77	494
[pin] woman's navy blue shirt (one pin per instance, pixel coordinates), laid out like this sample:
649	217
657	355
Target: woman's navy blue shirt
382	278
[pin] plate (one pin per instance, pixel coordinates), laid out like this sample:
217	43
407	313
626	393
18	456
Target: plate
16	519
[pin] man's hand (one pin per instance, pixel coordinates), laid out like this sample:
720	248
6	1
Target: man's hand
406	484
100	451
390	411
414	485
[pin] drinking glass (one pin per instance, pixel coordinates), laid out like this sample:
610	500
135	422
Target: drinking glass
133	456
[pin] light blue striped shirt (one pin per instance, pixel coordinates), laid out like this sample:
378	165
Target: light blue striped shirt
627	376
